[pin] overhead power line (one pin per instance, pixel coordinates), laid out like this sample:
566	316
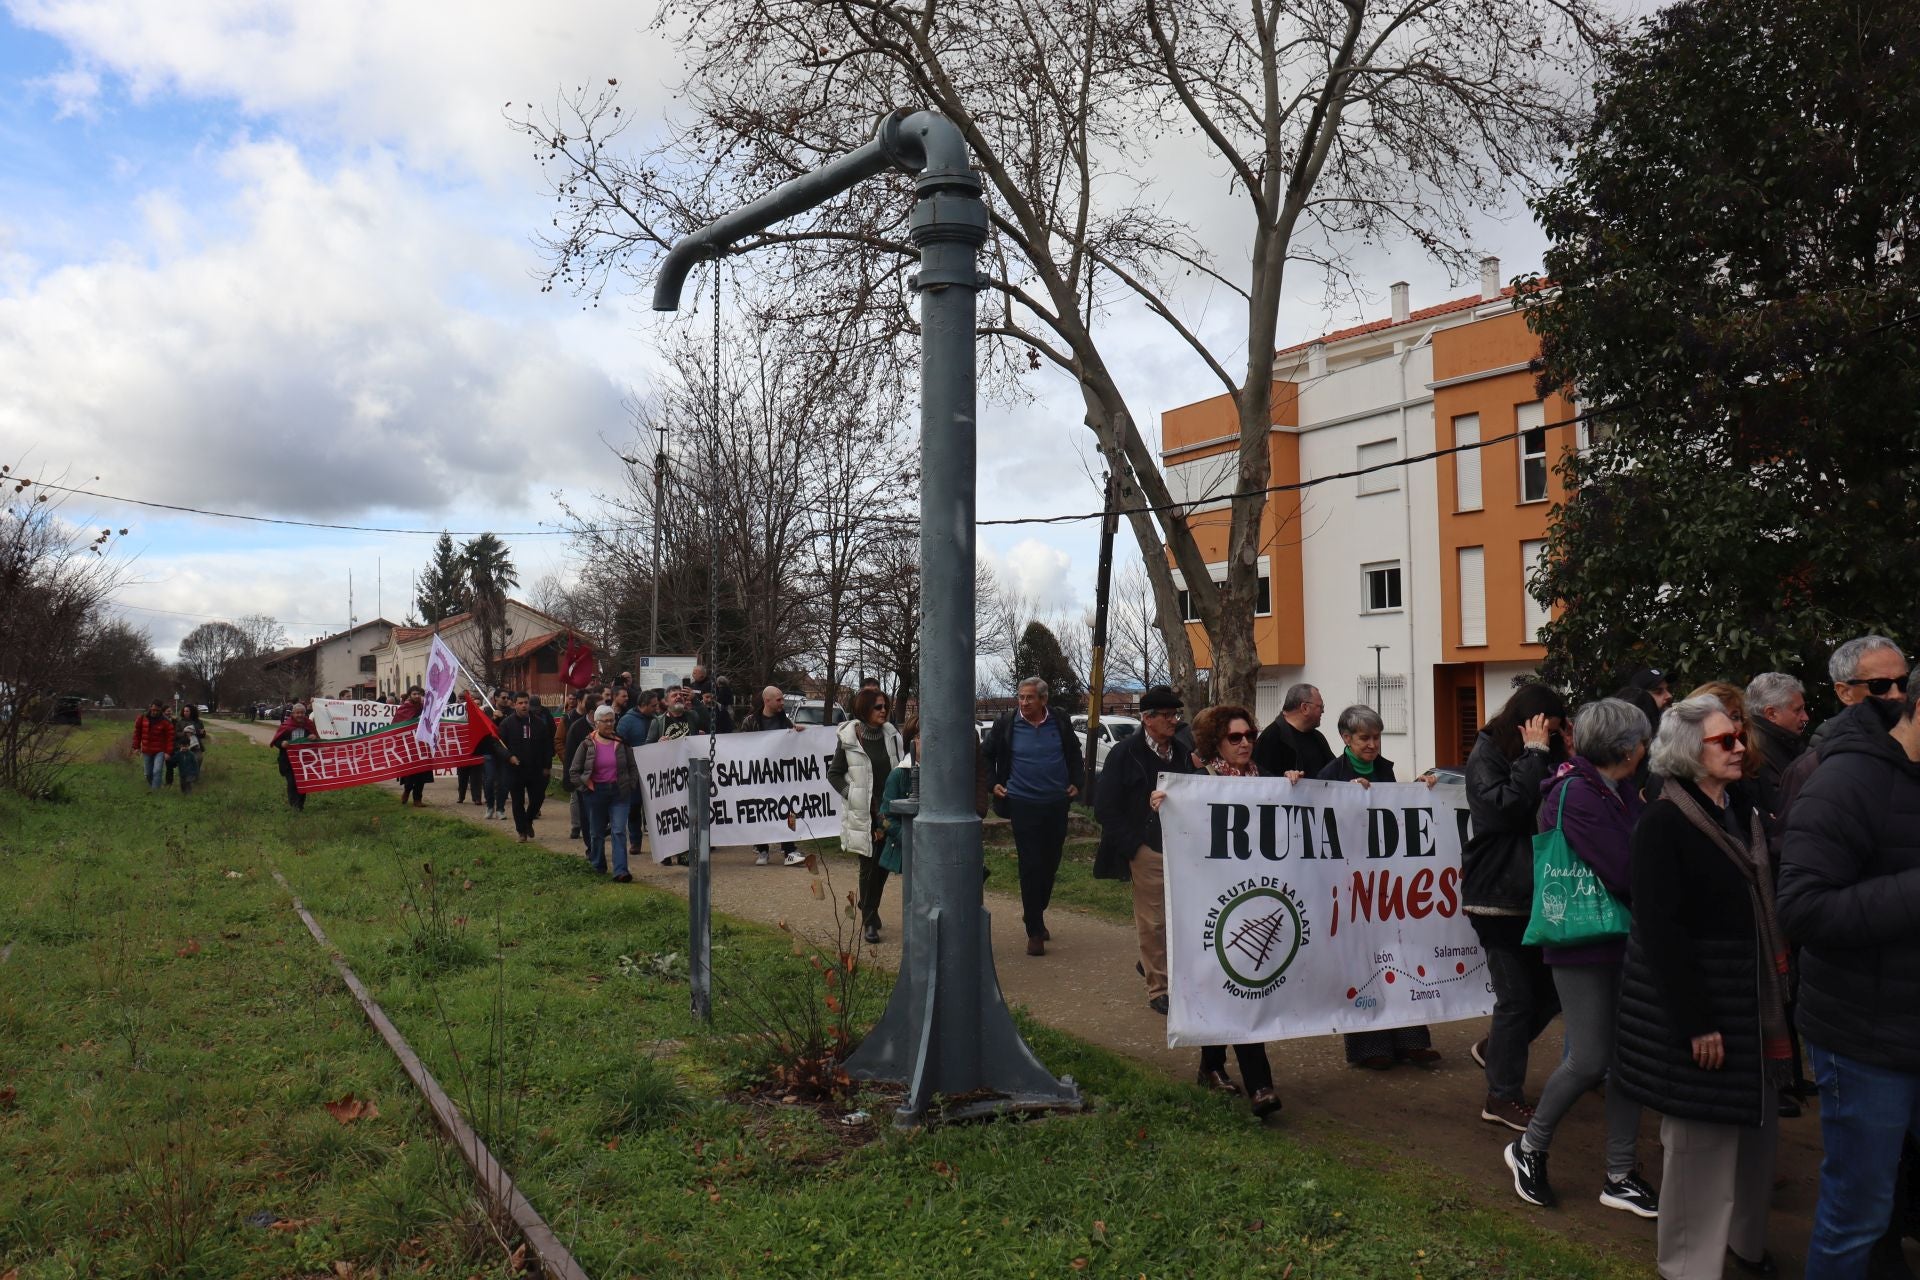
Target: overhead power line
1203	500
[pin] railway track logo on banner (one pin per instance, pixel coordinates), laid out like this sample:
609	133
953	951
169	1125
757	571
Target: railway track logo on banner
1256	931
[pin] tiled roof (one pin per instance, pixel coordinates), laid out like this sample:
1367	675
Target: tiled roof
1374	326
534	645
401	635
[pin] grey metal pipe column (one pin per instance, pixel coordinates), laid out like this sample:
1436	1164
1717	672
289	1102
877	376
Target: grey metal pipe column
946	1029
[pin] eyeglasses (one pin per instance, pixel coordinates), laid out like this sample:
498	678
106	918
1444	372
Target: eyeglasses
1879	685
1236	737
1725	741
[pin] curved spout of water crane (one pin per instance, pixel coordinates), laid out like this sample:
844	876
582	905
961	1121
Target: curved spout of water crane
912	142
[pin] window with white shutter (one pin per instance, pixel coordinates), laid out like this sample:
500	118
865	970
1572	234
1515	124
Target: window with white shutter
1532	554
1374	455
1466	463
1473	595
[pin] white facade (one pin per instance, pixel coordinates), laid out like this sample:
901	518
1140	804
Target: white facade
348	660
1363	536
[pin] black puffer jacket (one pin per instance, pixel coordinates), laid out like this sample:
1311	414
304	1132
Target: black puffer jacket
1496	866
1850	892
1123	803
1692	968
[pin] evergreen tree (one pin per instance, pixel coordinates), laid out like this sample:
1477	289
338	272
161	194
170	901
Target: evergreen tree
1736	285
440	591
1038	654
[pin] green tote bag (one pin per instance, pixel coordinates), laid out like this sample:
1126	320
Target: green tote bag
1571	905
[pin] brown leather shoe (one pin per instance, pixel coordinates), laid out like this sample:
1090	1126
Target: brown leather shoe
1265	1102
1036	945
1217	1080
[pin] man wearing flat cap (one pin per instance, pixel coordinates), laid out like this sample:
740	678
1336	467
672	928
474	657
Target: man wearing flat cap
1130	827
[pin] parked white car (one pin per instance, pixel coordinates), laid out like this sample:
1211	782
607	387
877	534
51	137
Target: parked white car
1112	732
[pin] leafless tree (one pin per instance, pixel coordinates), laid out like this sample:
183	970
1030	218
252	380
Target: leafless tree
55	579
1336	121
784	467
1136	650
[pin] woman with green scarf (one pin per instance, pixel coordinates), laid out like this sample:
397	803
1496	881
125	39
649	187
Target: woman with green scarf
1360	727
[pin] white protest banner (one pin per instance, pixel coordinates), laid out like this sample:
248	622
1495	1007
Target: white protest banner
347	718
760	781
1299	909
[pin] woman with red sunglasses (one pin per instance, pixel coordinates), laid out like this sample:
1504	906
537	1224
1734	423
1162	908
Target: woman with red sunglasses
1702	1035
1223	739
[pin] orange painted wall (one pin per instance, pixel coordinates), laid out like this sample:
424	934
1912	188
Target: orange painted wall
1281	636
1503	523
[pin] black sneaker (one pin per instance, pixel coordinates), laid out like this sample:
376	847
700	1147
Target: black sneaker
1159	1005
1632	1194
1530	1175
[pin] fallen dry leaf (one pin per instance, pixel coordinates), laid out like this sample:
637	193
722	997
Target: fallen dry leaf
1099	1231
289	1224
466	884
1079	1264
191	949
613	1144
517	1260
818	892
349	1109
233	875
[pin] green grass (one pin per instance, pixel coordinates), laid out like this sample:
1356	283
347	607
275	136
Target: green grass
554	1007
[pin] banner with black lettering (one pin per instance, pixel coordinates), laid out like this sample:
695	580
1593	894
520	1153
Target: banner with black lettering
351	718
1303	908
767	787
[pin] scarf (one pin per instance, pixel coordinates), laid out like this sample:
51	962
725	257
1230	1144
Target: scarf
1770	956
1362	767
1221	769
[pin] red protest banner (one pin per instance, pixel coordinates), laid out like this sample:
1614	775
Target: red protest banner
333	763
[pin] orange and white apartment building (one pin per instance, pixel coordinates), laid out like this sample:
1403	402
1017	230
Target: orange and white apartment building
1421	568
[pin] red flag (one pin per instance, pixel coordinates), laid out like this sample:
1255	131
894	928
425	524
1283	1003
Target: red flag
477	714
576	665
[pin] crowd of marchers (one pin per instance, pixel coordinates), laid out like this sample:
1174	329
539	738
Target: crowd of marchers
1771	881
1768	889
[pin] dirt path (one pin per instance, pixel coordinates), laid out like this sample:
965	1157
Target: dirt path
1086	986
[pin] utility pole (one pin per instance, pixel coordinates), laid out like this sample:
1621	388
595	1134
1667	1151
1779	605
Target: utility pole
1379	694
1103	583
659	508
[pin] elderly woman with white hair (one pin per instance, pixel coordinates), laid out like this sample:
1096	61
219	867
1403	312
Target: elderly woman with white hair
1702	1034
1592	801
603	773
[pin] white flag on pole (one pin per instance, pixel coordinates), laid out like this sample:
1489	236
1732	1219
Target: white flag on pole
441	666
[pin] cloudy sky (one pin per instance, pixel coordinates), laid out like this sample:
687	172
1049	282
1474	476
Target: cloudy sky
274	257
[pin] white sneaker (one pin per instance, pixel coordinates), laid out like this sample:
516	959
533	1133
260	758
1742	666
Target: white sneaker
796	859
760	858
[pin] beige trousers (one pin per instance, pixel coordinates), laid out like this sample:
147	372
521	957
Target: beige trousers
1715	1184
1150	916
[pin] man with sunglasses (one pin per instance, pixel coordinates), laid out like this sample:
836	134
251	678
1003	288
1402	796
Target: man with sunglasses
1869	666
1850	896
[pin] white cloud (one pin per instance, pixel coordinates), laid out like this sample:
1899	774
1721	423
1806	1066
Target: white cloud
430	77
324	356
75	92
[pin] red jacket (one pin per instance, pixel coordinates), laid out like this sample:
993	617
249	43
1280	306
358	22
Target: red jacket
152	735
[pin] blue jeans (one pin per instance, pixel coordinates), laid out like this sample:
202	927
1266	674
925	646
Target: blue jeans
493	779
606	812
156	769
189	768
1866	1113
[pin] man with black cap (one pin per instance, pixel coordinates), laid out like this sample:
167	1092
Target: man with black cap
1130	828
